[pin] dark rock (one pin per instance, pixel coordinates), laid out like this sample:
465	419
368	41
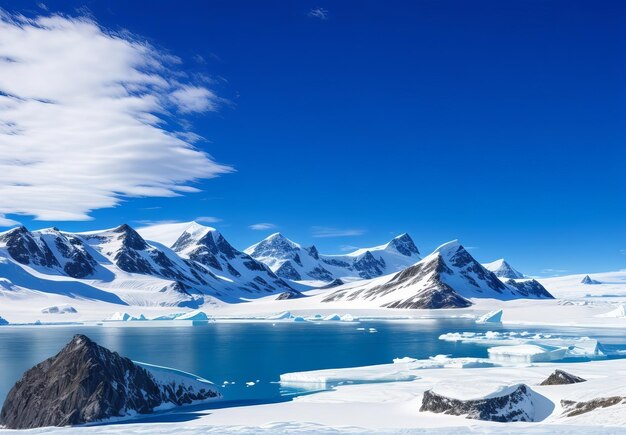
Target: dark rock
530	288
559	377
572	408
513	406
288	271
289	295
86	383
587	280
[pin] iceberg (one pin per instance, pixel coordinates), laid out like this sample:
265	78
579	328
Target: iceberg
118	316
333	317
281	316
492	317
348	318
193	315
3	321
526	353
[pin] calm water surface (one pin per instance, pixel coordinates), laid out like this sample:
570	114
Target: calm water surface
243	352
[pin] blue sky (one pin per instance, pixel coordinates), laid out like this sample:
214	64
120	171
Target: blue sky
497	123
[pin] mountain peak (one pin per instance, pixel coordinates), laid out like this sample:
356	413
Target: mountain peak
449	248
502	269
404	245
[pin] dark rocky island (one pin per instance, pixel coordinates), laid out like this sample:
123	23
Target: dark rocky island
87	383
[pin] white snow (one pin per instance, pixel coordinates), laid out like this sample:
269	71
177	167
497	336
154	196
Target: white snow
620	311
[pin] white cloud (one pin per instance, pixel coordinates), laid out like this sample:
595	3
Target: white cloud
207	219
263	226
320	13
190	99
348	248
82	119
336	232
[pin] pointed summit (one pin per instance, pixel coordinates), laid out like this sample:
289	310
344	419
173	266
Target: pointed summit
502	269
404	245
587	280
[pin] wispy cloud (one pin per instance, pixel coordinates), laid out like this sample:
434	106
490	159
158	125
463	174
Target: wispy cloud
348	248
554	272
83	114
263	226
207	219
336	232
319	13
622	251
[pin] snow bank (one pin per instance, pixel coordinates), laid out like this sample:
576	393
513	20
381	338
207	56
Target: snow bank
492	317
620	311
59	309
526	353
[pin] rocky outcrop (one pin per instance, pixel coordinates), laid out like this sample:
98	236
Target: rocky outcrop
289	295
572	408
514	405
559	377
87	383
587	280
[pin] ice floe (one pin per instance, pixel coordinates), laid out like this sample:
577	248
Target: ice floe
526	353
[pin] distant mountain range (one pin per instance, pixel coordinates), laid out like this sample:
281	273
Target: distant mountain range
120	266
291	261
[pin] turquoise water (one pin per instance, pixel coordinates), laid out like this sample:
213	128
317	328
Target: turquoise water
243	352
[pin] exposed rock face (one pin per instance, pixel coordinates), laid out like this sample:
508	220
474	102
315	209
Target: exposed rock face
513	406
572	408
559	377
86	383
289	295
530	288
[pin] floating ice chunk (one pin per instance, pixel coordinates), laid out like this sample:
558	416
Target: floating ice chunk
360	329
299	319
372	330
250	384
526	353
225	383
141	317
348	318
405	359
492	317
3	321
59	309
333	317
281	316
193	315
119	316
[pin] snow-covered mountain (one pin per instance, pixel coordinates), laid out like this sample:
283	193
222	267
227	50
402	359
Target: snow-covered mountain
292	261
206	246
119	266
448	278
502	269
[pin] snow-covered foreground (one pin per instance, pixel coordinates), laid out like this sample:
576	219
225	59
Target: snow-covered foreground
377	403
